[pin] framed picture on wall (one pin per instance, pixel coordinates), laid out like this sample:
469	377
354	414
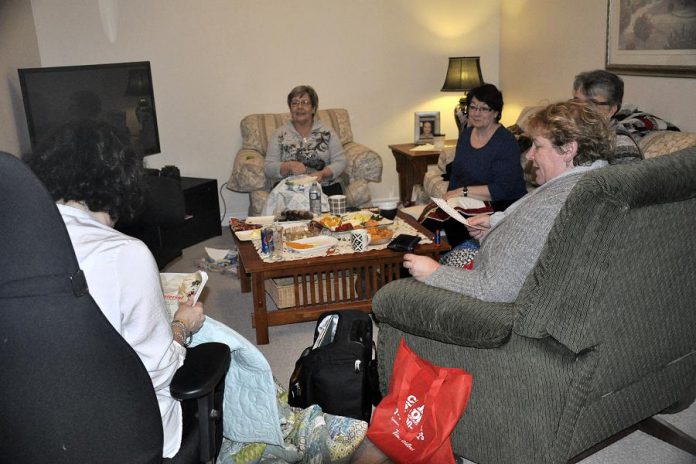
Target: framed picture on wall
652	37
427	124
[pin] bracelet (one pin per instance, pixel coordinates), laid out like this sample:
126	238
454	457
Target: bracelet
185	334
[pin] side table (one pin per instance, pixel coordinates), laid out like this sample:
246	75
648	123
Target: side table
412	166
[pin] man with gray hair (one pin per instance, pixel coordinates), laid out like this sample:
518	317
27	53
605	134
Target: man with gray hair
604	91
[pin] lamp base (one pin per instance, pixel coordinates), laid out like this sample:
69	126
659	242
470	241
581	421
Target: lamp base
460	115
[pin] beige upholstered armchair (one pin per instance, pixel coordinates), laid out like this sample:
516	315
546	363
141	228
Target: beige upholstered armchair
364	165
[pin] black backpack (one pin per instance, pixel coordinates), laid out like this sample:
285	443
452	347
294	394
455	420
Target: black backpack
338	372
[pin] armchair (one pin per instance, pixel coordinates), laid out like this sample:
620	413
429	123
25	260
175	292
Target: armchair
600	338
72	389
364	165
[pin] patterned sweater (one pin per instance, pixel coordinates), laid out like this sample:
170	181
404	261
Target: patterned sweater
512	246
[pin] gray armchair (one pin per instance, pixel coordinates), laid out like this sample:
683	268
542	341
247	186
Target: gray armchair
364	164
601	337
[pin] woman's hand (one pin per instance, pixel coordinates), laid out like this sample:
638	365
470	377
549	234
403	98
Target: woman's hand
420	267
479	226
293	167
192	316
323	174
454	193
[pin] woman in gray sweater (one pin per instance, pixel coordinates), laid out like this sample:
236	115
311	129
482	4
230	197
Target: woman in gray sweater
569	139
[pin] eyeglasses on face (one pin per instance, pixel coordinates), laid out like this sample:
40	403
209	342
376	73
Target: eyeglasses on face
296	103
483	109
594	101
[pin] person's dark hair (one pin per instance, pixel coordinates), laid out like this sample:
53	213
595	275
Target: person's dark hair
601	83
488	94
85	161
304	89
576	121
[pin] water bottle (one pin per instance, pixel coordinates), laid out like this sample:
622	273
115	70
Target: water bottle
315	199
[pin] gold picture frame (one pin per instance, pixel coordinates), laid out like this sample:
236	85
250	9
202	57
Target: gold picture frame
653	38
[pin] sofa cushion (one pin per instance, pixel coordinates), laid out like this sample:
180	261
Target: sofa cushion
661	142
442	315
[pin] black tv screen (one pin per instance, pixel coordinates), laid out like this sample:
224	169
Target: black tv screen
118	93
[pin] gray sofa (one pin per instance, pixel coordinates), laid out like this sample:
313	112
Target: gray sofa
601	336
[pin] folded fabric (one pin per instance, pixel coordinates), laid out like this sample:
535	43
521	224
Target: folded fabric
250	409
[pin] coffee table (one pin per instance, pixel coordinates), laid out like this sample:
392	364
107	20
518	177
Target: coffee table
324	283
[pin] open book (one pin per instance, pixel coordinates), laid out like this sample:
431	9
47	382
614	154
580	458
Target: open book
455	207
182	288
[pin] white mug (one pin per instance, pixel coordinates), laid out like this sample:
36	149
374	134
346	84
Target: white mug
360	239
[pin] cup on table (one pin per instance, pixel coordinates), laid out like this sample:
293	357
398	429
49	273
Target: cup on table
439	142
337	204
360	239
387	209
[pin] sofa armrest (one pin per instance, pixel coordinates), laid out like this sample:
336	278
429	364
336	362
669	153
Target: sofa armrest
363	163
448	317
247	173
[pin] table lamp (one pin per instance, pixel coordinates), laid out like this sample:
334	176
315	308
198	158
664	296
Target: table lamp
463	74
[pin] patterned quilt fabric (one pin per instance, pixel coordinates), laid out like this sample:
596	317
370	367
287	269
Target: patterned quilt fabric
310	436
638	123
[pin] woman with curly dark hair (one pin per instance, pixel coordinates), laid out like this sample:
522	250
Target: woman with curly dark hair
96	180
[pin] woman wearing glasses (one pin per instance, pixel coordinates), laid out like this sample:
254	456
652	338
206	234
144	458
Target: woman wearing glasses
487	162
305	146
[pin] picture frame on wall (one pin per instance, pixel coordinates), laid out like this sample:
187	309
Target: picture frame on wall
427	124
651	37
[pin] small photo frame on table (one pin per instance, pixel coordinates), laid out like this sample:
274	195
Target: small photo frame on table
427	124
651	38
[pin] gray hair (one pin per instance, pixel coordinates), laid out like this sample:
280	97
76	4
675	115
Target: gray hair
601	83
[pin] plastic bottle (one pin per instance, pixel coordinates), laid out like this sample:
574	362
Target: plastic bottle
315	199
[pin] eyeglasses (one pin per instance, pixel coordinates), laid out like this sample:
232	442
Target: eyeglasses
483	109
296	103
591	100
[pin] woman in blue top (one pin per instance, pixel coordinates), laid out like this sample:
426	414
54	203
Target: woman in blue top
487	163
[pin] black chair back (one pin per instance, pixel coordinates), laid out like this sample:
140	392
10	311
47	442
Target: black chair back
72	389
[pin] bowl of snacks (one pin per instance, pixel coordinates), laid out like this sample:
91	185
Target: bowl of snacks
380	235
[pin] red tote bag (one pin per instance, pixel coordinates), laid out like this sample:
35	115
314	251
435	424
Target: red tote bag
413	423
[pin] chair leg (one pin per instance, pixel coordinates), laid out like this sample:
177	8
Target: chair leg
663	430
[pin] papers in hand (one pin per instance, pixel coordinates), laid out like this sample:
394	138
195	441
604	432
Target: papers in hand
182	288
465	204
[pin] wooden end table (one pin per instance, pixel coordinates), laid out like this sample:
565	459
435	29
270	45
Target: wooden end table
412	165
324	283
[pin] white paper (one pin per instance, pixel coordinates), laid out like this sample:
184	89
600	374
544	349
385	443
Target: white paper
216	254
182	288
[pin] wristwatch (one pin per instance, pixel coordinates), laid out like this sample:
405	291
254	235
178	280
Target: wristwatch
465	191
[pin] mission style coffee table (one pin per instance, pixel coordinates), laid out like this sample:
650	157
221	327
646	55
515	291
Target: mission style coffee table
324	283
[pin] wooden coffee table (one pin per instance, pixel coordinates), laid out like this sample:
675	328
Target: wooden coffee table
324	283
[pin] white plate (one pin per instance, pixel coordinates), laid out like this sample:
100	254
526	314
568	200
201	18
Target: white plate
260	220
246	235
320	242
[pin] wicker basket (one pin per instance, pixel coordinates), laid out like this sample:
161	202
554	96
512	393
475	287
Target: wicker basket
282	291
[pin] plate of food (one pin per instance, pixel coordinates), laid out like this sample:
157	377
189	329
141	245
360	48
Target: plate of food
311	244
350	221
380	235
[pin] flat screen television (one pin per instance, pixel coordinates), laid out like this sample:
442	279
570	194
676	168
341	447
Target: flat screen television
119	93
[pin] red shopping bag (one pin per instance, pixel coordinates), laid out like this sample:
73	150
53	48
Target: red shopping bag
413	423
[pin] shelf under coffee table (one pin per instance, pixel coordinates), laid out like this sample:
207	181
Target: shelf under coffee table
324	283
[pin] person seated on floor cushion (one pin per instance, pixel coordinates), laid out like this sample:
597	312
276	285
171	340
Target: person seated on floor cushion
569	139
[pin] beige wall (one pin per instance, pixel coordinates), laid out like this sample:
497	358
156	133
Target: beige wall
217	60
18	49
545	43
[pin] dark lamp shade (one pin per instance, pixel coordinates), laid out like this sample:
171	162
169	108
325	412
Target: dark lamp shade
463	73
138	83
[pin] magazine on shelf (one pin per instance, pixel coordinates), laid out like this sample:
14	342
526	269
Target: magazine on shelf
182	288
456	207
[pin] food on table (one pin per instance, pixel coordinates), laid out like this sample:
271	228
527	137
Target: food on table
330	221
295	215
350	221
379	235
238	225
299	246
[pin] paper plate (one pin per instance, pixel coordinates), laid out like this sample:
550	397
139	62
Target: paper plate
318	243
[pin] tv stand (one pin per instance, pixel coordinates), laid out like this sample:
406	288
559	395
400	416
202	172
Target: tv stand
202	220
